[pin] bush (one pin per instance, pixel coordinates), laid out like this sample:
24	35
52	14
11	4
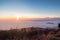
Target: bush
32	34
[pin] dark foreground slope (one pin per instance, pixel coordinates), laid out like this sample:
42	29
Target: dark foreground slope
30	34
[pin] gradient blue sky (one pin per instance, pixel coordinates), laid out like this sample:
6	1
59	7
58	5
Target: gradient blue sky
30	8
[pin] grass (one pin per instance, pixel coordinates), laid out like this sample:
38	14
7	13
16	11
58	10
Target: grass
30	34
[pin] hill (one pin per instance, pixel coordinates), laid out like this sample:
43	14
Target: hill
30	34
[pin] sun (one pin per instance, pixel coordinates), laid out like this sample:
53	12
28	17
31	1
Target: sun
17	17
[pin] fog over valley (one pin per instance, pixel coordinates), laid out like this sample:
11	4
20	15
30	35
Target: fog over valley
42	23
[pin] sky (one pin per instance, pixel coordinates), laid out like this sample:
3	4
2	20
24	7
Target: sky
29	8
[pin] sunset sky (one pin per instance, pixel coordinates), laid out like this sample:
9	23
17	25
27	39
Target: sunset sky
29	8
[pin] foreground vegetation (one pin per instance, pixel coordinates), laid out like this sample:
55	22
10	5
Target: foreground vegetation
30	34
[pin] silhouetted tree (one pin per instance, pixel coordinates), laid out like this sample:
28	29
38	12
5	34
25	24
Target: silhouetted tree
59	25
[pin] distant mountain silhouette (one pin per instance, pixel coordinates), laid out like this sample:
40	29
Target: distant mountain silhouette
44	19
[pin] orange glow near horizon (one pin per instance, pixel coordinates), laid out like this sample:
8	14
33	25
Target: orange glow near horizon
13	18
22	18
